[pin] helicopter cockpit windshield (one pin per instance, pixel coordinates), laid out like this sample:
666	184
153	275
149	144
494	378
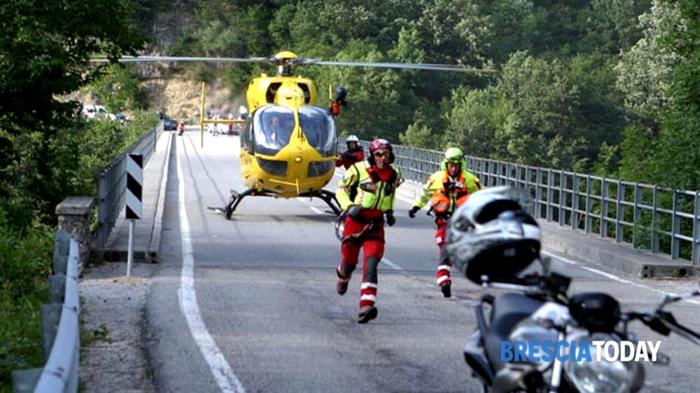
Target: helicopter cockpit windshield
319	129
273	128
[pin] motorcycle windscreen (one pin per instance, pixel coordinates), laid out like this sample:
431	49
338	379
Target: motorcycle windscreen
319	128
273	126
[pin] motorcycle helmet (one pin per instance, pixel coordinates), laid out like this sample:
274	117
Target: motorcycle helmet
352	138
380	144
491	235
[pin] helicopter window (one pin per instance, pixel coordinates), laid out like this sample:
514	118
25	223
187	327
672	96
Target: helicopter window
272	129
319	128
307	94
272	91
247	136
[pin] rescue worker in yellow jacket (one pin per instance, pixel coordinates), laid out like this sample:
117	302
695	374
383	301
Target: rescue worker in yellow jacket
446	190
375	181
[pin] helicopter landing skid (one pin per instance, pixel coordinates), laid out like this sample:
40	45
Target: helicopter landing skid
236	198
327	197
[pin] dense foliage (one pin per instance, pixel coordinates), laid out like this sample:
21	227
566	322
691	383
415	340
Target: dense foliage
598	86
47	151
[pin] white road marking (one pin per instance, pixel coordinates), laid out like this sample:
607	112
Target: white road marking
611	276
187	297
391	264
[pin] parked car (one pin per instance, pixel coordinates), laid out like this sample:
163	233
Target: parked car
120	117
92	112
169	124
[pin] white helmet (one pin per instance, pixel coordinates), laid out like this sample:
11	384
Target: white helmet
491	235
352	138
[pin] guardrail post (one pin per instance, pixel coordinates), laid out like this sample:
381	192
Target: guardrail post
637	214
74	215
696	230
50	316
538	192
102	193
588	227
675	228
574	202
24	381
550	194
562	197
603	208
654	223
619	216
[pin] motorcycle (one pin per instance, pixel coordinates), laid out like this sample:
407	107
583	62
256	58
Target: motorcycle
540	310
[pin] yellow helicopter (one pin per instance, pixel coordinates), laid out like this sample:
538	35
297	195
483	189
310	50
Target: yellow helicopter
288	144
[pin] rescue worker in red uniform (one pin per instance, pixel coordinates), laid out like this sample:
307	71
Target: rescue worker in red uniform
446	190
376	182
353	154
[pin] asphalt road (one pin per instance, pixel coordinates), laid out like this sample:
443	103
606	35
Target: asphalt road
250	304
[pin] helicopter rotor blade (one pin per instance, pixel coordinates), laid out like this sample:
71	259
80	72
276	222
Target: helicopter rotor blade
182	59
295	62
404	66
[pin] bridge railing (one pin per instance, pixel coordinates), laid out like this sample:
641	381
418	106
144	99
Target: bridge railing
661	220
111	184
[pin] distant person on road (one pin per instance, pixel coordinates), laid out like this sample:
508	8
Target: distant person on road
376	182
353	154
446	190
180	127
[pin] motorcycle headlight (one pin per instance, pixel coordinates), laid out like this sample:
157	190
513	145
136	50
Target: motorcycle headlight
598	377
527	331
604	377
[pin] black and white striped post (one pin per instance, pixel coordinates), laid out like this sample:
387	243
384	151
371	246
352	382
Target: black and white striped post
134	207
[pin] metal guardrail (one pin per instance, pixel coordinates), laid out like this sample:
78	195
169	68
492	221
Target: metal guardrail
60	327
648	217
111	184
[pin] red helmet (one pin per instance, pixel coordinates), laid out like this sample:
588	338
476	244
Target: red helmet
380	144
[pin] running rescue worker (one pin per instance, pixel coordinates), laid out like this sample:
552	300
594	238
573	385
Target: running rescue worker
375	181
446	190
353	154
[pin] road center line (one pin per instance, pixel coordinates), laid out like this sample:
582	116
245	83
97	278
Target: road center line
187	297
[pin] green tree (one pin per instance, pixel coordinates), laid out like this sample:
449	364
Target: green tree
119	89
611	25
644	72
420	133
544	101
679	142
45	47
470	122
